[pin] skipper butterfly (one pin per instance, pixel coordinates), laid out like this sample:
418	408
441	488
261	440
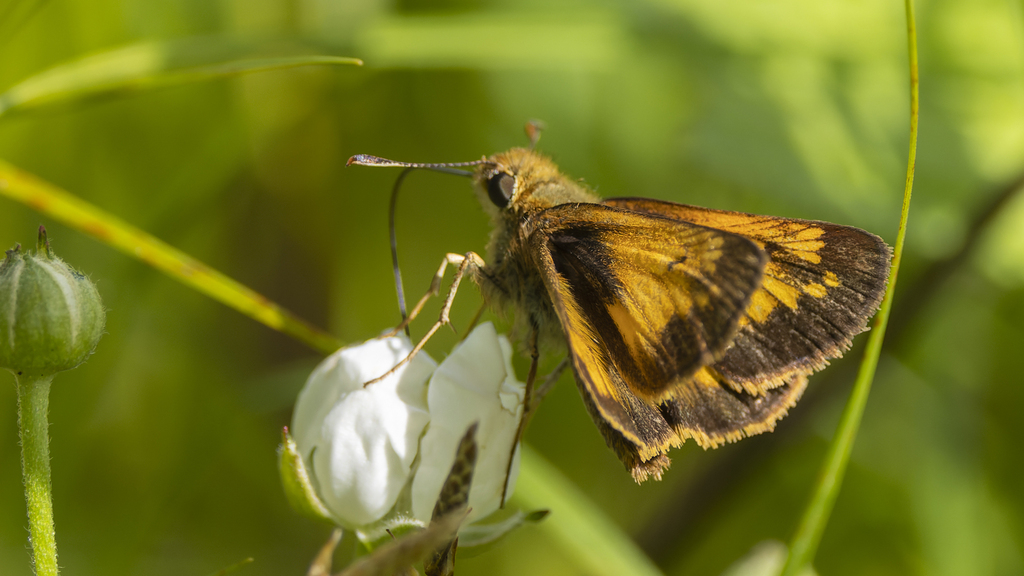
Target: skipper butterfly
679	321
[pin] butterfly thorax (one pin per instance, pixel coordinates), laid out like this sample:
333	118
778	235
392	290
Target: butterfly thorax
511	281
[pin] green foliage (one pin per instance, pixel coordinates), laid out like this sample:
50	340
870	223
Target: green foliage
163	446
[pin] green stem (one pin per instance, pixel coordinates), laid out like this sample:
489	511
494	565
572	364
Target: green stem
812	525
33	404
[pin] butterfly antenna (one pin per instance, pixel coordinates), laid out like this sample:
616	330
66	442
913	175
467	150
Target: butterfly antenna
533	130
447	168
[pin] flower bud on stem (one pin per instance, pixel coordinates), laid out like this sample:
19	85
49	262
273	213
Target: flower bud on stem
51	318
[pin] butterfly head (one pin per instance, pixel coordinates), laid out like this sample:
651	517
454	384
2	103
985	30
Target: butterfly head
520	182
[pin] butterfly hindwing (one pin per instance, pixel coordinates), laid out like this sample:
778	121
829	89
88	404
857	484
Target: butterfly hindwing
707	409
821	285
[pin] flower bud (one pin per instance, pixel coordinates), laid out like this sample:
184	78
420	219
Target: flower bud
359	443
51	316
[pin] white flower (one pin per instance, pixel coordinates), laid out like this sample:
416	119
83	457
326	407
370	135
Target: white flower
360	445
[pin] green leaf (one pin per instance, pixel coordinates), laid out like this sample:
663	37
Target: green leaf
149	65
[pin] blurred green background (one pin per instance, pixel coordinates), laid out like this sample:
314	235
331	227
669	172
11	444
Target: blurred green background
163	443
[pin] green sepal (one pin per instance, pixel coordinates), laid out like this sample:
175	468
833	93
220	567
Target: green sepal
392	527
297	484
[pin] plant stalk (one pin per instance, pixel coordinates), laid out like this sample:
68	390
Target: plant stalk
812	525
33	405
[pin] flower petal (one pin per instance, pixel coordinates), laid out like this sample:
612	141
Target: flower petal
365	439
474	384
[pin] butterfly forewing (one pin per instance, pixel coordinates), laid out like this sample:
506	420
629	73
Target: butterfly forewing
821	284
661	298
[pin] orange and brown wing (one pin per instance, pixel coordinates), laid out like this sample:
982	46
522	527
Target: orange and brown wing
707	409
646	303
660	298
821	285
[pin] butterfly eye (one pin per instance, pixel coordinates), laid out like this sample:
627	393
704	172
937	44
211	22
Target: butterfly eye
500	188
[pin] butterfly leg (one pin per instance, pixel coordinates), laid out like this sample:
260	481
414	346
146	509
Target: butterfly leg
531	399
549	382
434	290
531	377
469	262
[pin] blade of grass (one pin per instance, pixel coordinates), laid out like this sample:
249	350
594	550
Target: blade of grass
145	66
598	546
48	199
812	525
